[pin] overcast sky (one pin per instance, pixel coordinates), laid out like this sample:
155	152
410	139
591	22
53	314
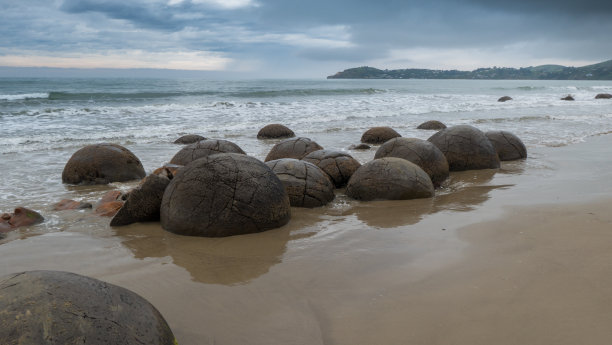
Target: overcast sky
306	38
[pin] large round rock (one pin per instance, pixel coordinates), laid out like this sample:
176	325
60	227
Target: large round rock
275	131
507	145
389	179
378	135
465	148
52	307
432	125
222	195
420	152
204	148
102	164
305	183
339	166
293	148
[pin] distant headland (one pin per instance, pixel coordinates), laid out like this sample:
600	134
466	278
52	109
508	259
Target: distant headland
599	71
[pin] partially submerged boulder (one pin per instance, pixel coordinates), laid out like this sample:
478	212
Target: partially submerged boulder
603	96
389	179
432	125
204	148
466	148
360	147
567	98
339	166
53	307
420	152
21	216
378	135
507	145
68	204
102	164
143	202
305	184
504	99
275	131
189	139
223	195
292	148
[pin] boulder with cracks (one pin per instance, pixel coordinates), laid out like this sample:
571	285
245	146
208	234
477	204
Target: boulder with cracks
507	145
305	183
339	166
204	148
292	148
466	148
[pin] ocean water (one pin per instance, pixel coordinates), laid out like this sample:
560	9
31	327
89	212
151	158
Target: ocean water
44	121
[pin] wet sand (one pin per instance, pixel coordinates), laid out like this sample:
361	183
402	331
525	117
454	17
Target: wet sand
516	256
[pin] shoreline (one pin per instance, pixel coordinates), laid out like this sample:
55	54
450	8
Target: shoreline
420	271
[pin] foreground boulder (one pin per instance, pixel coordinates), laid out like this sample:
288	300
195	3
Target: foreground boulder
102	164
389	179
507	145
420	152
21	216
223	195
466	148
52	307
504	99
143	202
189	139
204	148
305	184
275	131
378	135
603	96
567	98
339	166
432	125
292	148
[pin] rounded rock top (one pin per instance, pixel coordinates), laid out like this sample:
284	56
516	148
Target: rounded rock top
293	148
339	166
306	184
204	148
223	195
275	131
507	145
389	179
189	139
466	148
67	308
432	125
378	135
102	164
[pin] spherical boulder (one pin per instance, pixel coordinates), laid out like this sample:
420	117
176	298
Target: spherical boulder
504	99
507	145
143	202
603	96
223	195
275	131
432	125
102	164
378	135
53	307
420	152
292	148
466	148
339	166
189	139
389	179
204	148
305	183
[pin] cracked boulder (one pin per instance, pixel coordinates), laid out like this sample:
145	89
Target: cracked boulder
102	164
339	166
143	202
420	152
378	135
54	307
189	139
507	145
466	148
204	148
223	195
432	125
293	148
389	179
305	183
275	131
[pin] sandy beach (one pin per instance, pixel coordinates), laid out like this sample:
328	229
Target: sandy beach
519	255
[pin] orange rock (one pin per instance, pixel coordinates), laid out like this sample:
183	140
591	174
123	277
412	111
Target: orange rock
112	195
168	170
21	217
67	204
109	209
